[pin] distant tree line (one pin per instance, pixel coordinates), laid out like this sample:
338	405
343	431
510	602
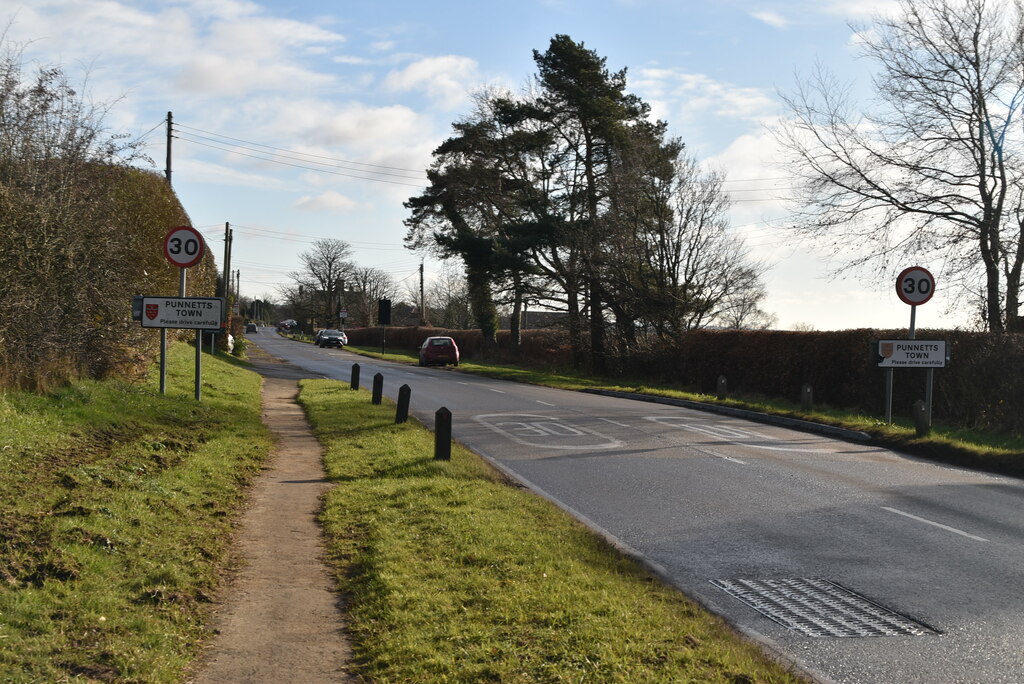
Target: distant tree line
568	195
80	233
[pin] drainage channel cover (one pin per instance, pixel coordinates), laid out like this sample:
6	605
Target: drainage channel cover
816	607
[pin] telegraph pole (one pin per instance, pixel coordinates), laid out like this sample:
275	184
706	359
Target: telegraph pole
167	168
423	300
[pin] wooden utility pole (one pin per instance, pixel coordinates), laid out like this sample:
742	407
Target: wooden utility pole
167	168
423	300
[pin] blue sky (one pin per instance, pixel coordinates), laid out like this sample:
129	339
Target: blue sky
377	85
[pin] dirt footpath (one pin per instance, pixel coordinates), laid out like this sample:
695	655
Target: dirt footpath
280	619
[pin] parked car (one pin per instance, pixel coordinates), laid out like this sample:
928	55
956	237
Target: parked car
439	350
331	338
251	328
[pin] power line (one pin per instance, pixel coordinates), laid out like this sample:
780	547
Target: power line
298	166
281	149
298	237
299	156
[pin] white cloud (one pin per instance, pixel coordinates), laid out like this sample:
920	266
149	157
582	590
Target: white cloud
696	94
446	80
755	180
858	9
773	19
327	201
228	75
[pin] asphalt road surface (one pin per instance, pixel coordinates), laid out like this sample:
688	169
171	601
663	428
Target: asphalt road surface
860	564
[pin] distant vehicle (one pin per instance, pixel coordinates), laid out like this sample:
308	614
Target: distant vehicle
439	350
331	338
251	328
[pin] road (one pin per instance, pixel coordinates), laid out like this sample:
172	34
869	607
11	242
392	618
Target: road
860	564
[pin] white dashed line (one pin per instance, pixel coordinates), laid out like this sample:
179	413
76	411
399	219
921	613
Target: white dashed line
543	402
932	522
494	390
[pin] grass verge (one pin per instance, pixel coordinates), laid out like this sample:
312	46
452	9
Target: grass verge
452	574
958	446
115	518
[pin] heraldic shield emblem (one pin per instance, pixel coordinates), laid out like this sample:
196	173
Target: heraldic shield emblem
885	349
153	309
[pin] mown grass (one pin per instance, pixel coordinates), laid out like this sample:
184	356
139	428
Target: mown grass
454	575
999	453
115	518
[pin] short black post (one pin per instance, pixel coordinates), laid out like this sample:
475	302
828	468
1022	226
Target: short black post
922	426
355	376
442	434
722	387
402	412
378	387
806	397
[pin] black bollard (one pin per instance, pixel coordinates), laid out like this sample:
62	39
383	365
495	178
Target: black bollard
442	434
378	387
402	411
806	397
922	425
355	376
722	387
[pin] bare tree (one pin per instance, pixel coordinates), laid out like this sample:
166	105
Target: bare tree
932	174
671	266
320	285
448	299
367	286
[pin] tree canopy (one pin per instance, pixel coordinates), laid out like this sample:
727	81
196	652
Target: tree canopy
569	195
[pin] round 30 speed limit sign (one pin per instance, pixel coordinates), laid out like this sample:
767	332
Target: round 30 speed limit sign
184	246
915	285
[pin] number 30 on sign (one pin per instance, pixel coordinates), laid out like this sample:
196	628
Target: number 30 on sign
915	285
184	246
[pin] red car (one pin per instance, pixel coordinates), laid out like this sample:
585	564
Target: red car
439	350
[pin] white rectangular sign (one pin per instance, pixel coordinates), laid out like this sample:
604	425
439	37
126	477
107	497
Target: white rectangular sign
182	312
912	353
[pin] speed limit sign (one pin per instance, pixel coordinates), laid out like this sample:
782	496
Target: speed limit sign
184	246
915	285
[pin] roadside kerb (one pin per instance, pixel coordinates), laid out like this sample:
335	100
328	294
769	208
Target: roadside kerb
782	421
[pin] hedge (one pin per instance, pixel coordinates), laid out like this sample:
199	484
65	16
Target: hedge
981	388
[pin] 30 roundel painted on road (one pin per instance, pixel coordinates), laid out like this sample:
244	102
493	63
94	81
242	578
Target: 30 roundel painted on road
184	246
915	285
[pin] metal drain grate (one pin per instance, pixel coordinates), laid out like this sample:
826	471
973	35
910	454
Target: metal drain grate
815	607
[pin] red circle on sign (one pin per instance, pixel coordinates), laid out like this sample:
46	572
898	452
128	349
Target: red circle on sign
184	246
915	285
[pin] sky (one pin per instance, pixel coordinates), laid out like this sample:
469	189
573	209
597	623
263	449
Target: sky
299	121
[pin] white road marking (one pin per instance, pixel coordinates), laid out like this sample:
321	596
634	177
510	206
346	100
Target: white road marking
932	522
462	383
733	435
614	422
543	402
494	390
539	431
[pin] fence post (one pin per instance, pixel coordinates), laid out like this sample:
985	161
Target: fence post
722	387
354	384
402	411
806	397
378	388
442	434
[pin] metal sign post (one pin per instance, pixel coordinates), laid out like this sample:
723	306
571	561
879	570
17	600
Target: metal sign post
914	286
183	247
